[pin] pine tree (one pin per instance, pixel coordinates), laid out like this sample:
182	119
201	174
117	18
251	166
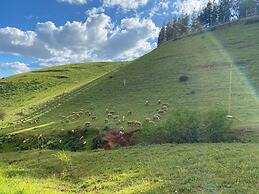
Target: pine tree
215	13
162	36
185	24
169	31
195	25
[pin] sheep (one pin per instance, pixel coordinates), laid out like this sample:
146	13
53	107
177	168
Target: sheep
88	124
161	112
152	122
147	120
115	117
156	117
129	113
147	103
165	104
130	123
134	123
109	115
165	108
107	110
137	123
159	101
123	118
106	120
88	113
112	112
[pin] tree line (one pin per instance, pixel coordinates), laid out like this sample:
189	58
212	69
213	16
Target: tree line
213	14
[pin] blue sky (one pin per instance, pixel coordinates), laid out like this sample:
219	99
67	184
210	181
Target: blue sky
40	33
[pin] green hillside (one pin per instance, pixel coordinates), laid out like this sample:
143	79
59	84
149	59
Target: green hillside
46	99
22	94
204	58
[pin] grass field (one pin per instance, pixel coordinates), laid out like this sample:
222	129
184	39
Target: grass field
196	168
52	94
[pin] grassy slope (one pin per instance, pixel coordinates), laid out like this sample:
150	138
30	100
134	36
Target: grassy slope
205	58
21	92
198	168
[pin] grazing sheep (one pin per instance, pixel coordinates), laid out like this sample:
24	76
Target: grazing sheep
88	113
147	103
161	112
123	118
159	101
152	122
130	123
88	124
134	123
109	115
115	117
137	123
147	120
156	117
165	108
165	104
112	112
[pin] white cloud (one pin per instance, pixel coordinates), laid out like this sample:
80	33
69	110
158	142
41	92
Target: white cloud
189	6
125	4
98	38
160	6
73	1
17	67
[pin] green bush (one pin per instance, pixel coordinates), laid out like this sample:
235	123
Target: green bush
185	126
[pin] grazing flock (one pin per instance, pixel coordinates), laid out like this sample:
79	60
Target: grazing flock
110	116
113	116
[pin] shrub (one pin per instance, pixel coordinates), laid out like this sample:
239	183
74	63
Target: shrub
185	126
183	78
217	127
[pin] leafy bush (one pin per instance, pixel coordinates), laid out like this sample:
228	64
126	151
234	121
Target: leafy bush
184	126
